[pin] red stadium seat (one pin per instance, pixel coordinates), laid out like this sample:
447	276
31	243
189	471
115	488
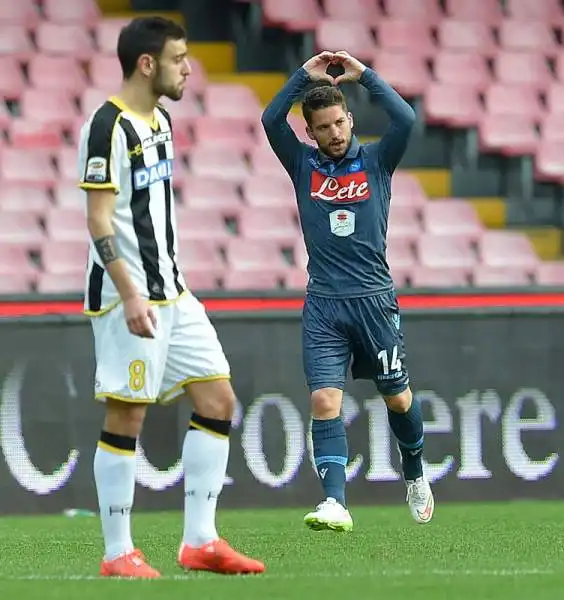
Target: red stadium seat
24	133
524	35
293	15
487	11
428	277
261	223
201	280
471	36
403	222
406	35
14	260
485	276
522	68
252	279
66	225
513	100
64	40
49	283
105	73
550	273
452	217
465	69
27	167
224	134
106	33
452	105
548	161
504	249
64	257
366	11
15	284
22	230
418	10
405	72
12	82
85	12
49	105
56	73
20	12
296	279
355	37
260	191
209	163
512	135
23	198
445	252
216	195
231	100
202	225
546	10
15	41
69	195
259	255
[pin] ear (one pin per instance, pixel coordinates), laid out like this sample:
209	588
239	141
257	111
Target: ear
146	64
351	120
310	133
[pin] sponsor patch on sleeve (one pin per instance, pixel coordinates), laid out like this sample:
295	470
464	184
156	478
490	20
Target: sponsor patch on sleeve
96	170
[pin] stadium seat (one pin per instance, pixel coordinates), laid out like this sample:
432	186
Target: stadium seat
293	15
15	41
400	254
543	10
211	194
486	276
296	279
67	164
403	222
445	252
200	255
64	257
512	135
5	120
522	68
261	223
470	36
246	255
513	100
198	79
69	195
223	134
23	199
548	161
506	249
486	11
201	280
49	283
251	279
51	106
465	69
25	133
56	73
407	190
85	12
525	35
15	284
355	37
365	11
31	167
20	12
231	100
184	111
64	40
208	162
452	217
554	96
454	105
12	82
427	277
405	72
15	260
418	10
413	37
202	225
90	100
106	33
558	70
550	273
552	127
264	162
299	253
66	225
261	191
105	73
22	230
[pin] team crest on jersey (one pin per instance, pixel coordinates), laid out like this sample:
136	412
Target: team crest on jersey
342	189
342	223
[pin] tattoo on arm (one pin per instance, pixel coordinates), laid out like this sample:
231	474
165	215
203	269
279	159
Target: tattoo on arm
107	248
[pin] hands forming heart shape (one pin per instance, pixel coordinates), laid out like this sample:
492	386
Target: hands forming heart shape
317	66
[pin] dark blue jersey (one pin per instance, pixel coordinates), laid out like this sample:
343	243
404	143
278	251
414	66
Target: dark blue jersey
343	204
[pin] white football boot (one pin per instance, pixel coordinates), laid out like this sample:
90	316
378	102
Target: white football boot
329	515
420	500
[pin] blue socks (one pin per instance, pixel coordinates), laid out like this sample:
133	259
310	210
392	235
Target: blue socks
330	451
408	429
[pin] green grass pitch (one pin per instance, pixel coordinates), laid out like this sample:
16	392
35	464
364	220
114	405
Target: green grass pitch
469	552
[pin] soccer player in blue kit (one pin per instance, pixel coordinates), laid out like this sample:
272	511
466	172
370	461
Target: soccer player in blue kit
351	315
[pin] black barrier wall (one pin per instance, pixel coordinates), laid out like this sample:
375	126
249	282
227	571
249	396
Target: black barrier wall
490	385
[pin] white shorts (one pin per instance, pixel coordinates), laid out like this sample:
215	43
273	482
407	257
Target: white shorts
185	349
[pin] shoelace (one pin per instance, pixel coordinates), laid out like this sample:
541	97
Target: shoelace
417	491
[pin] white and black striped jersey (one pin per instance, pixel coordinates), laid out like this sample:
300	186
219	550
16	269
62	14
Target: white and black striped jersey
122	151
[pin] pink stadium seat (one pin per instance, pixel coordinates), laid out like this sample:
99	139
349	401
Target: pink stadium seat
21	229
407	190
471	36
12	82
15	284
211	194
513	100
202	225
64	40
200	256
486	276
184	111
550	273
200	280
208	162
231	100
49	283
105	73
298	125
465	69
56	73
260	191
264	162
418	10
261	223
299	252
522	68
66	225
366	11
355	37
27	167
85	12
296	279
24	133
452	217
69	195
504	249
512	135
547	10
524	35
400	278
223	134
406	35
487	11
405	72
454	105
14	260
22	12
64	257
252	279
91	99
107	32
548	161
445	252
428	277
5	120
559	69
48	105
259	255
555	97
552	128
22	198
293	15
198	79
67	164
400	258
403	222
15	41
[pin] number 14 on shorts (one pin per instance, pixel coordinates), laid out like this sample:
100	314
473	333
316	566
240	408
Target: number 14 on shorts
387	365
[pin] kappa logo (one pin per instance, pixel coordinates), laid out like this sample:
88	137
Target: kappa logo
157	139
342	189
323	472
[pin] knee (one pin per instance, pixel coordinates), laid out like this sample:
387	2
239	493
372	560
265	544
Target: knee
213	399
399	403
123	418
326	403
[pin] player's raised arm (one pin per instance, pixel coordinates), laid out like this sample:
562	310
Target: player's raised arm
392	146
282	139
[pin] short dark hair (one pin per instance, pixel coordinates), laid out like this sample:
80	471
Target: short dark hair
322	96
145	35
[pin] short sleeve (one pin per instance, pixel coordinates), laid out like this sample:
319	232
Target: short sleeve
100	150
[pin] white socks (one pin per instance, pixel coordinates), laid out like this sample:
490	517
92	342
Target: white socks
114	474
204	457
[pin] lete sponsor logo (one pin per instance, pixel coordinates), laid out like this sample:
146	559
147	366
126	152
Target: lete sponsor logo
345	188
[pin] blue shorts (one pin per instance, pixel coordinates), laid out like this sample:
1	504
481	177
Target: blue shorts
365	331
